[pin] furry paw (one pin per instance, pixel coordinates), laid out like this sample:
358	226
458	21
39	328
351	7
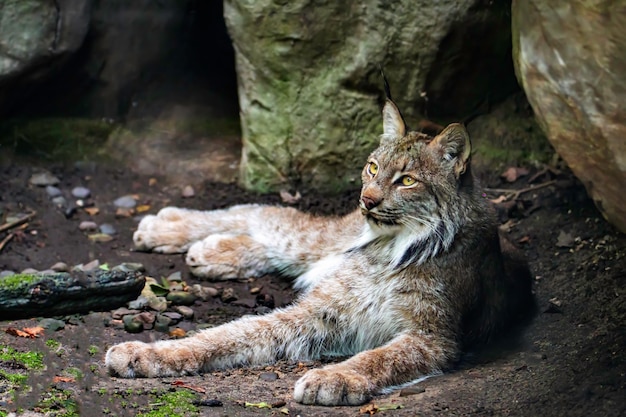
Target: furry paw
332	387
223	256
138	359
167	232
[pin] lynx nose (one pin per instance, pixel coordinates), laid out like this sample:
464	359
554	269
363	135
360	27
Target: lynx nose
369	203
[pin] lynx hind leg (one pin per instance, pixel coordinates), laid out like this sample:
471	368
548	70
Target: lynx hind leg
172	230
226	256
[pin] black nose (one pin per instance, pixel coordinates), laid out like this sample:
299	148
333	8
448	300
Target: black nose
369	203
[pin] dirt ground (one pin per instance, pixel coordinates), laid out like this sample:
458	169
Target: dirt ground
568	361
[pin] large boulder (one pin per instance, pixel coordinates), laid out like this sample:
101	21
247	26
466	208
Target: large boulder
570	57
35	35
310	90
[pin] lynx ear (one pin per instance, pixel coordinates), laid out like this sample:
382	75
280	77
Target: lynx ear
393	123
454	145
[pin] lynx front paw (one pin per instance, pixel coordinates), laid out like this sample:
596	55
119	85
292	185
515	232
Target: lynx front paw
332	387
167	232
138	359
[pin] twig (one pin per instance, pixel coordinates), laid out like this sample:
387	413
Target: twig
17	222
6	240
516	193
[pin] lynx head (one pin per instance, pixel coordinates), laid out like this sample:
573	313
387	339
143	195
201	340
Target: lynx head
414	186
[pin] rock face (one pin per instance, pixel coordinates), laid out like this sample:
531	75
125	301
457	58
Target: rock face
310	90
36	34
570	57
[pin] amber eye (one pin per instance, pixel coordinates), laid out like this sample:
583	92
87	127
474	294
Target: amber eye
406	180
372	168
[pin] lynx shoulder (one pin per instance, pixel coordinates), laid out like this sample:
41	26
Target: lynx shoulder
401	285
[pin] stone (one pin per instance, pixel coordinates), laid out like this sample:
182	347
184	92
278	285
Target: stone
229	295
180	297
147	319
129	266
53	191
6	273
157	303
132	324
174	316
59	201
52	324
126	201
100	237
188	192
89	266
305	122
139	304
570	58
60	267
81	192
28	271
175	277
121	312
202	292
162	324
42	179
88	225
107	229
186	312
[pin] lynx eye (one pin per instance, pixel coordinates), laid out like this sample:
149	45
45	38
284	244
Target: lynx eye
406	180
372	168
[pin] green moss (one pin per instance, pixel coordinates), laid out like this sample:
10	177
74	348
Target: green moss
17	281
31	360
170	404
92	350
55	138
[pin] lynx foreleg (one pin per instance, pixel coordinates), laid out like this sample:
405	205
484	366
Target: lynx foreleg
354	381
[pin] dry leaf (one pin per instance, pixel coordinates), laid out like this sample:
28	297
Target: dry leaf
92	211
289	198
122	212
58	379
182	384
142	208
29	332
177	333
258	405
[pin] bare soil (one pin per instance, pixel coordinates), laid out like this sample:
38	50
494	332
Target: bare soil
568	361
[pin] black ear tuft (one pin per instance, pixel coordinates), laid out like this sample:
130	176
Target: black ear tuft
385	83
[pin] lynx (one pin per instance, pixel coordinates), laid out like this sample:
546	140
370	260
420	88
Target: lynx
401	285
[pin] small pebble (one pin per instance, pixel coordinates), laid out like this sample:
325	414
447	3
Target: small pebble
229	295
123	213
121	312
188	192
187	312
53	191
173	315
89	266
126	201
81	192
203	293
42	179
60	267
52	324
132	324
59	201
6	273
255	290
48	271
88	225
140	303
129	267
245	302
158	303
29	271
147	318
181	298
175	277
162	324
107	229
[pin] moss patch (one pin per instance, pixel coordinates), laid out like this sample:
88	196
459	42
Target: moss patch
55	138
17	281
175	403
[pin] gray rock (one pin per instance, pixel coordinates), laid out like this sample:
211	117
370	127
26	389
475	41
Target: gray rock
53	191
89	266
229	295
162	323
107	229
42	179
147	319
121	312
60	267
157	303
285	84
126	201
173	316
132	324
6	273
81	192
129	266
202	292
187	312
188	192
181	297
88	225
29	271
175	277
60	201
570	58
139	304
52	324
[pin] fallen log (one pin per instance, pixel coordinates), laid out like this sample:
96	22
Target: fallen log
37	295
